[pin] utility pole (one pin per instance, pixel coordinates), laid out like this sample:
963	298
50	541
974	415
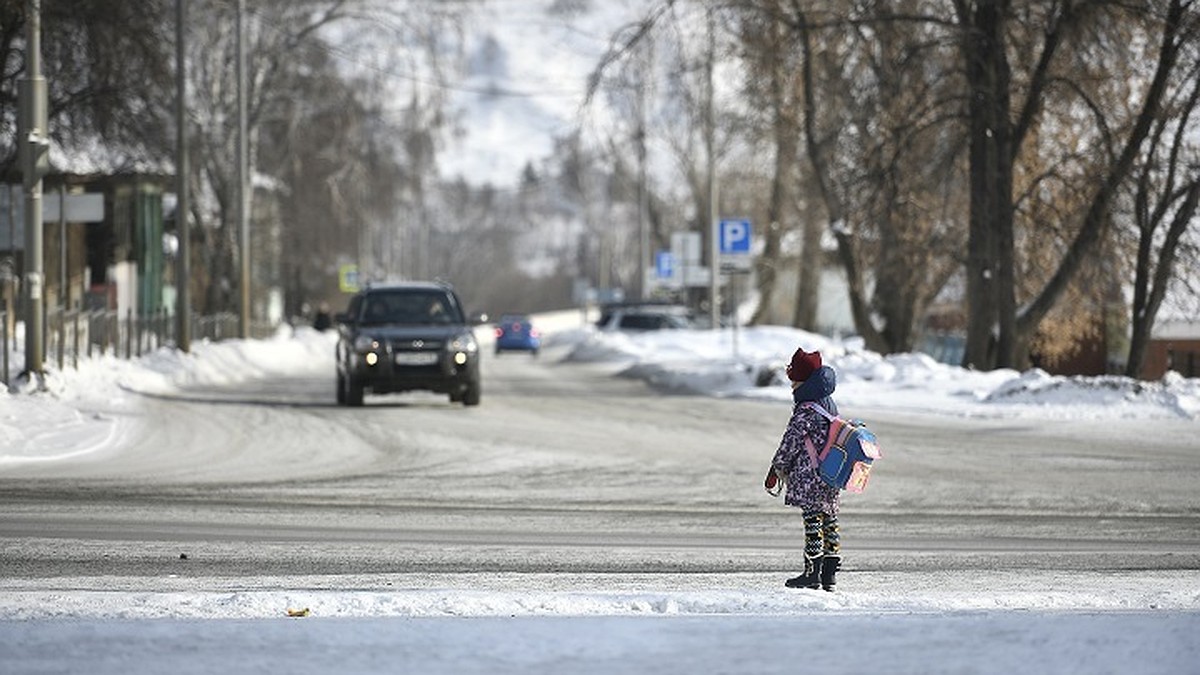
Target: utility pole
714	265
644	261
183	283
417	156
64	289
243	193
34	144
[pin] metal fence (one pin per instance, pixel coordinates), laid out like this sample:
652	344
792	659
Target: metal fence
72	335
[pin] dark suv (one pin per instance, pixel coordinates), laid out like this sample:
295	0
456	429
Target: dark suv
405	337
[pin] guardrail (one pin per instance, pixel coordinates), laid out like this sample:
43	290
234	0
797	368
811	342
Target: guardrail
72	335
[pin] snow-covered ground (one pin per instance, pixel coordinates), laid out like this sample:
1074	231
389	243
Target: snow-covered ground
1009	620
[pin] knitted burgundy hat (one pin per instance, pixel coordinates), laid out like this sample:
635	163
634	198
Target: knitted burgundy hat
803	364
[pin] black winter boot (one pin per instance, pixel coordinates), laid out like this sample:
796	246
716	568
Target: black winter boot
829	569
811	577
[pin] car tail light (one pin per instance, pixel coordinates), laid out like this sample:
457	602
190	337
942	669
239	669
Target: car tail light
499	332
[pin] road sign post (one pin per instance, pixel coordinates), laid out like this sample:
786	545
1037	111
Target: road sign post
735	260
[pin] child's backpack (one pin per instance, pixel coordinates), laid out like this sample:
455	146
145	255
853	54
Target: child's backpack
845	461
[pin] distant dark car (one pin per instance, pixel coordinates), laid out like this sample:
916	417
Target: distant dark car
515	332
643	317
406	337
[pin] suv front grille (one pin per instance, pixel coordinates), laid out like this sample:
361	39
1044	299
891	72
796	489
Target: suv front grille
411	345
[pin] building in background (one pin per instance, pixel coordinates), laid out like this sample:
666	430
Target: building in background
1174	345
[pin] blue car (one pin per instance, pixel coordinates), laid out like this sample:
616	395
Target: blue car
515	332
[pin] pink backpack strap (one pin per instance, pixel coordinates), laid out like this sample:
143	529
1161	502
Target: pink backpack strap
814	457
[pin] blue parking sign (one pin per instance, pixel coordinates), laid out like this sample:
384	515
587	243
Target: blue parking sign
735	236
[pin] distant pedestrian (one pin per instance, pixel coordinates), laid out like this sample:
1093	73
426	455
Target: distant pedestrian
323	320
794	473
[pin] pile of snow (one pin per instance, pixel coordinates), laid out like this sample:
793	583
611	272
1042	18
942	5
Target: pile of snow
749	364
1173	394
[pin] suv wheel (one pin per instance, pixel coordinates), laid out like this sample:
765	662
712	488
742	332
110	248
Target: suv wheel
354	392
472	395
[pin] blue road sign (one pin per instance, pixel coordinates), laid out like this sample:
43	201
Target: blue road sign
735	236
664	265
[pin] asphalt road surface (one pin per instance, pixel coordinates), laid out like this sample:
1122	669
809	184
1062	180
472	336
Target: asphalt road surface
565	468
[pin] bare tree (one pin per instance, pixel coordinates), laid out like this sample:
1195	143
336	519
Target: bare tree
346	161
904	168
107	68
1045	107
999	332
336	168
1166	197
278	33
770	56
417	52
821	140
882	158
681	46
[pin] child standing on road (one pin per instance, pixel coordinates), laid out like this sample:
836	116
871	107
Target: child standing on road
793	472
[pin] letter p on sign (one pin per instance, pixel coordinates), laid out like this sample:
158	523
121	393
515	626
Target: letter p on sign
735	236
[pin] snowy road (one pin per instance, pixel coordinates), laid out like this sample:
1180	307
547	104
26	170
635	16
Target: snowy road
235	503
569	469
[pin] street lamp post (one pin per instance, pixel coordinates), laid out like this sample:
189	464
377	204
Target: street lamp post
34	145
243	191
183	281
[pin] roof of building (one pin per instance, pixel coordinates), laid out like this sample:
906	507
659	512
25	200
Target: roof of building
1176	329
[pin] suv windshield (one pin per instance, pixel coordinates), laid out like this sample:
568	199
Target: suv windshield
409	308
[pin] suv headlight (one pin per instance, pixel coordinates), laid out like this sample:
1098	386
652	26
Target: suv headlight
462	348
463	342
365	343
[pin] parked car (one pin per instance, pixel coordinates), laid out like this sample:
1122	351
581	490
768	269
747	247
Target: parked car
642	317
406	337
515	332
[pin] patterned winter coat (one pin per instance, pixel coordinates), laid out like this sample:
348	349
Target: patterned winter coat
804	488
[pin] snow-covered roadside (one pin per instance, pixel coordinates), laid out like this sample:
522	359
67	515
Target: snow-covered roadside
506	595
78	413
995	622
720	364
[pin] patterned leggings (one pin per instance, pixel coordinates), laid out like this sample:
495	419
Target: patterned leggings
821	535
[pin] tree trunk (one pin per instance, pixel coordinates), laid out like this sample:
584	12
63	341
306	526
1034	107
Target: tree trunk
989	248
784	131
768	263
808	275
833	206
894	296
